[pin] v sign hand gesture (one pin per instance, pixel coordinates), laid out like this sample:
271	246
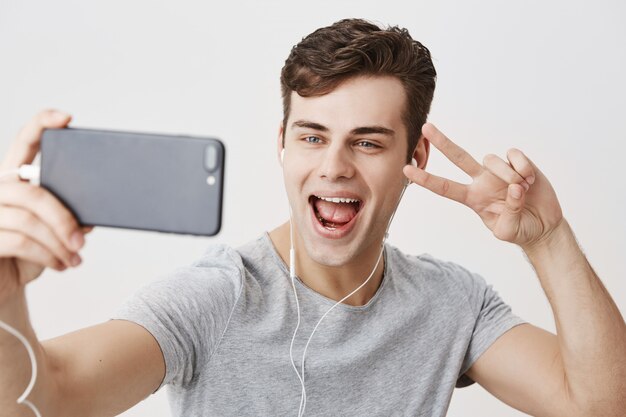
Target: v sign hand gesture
514	199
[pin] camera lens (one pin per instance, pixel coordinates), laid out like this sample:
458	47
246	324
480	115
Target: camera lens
211	158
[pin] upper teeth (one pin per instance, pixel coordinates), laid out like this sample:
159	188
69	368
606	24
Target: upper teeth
338	199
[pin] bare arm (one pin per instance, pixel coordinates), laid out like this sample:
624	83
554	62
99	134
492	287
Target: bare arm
583	368
98	371
590	329
103	370
581	371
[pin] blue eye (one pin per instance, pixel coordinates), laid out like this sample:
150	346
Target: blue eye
312	139
366	144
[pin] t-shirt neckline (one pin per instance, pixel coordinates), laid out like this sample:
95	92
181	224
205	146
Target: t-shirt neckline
283	266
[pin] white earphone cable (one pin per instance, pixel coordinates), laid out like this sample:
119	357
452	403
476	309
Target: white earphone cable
33	360
292	274
301	374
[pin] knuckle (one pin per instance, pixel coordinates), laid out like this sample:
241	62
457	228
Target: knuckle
20	242
44	115
63	223
487	159
445	187
27	220
47	259
62	254
427	179
67	221
43	197
53	212
56	248
33	123
513	209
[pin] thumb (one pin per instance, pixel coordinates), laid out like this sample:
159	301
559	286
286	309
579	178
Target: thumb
25	147
508	224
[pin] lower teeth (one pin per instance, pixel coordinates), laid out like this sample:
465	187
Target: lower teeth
326	224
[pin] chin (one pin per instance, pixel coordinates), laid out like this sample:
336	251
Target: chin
334	253
329	256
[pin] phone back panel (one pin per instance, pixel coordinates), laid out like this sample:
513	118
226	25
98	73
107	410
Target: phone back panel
136	180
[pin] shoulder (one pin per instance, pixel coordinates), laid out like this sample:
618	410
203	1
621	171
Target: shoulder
436	275
221	268
216	273
428	266
220	259
260	259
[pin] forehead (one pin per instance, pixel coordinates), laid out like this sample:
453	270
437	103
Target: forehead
359	101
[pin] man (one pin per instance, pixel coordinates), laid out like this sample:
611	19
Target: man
220	332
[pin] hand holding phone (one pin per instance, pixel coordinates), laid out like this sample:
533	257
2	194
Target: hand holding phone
36	229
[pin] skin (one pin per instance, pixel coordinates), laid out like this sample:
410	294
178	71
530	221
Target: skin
580	371
325	157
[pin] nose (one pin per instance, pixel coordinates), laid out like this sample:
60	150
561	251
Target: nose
336	164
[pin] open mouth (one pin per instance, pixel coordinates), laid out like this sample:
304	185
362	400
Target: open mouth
335	213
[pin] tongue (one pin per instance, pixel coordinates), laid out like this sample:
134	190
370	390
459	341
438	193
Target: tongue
335	212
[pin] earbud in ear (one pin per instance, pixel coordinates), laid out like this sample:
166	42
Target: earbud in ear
406	180
282	156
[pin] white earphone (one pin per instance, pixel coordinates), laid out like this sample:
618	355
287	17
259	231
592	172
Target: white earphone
406	180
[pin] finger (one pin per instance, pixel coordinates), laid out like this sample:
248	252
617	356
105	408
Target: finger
26	144
504	171
25	222
451	150
507	226
439	185
521	164
87	229
20	246
48	208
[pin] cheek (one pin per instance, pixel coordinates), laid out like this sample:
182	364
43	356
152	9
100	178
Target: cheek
385	191
294	175
383	181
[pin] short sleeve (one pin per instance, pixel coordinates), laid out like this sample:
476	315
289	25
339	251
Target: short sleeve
187	311
493	318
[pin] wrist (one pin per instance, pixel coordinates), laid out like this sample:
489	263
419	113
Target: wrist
13	306
553	240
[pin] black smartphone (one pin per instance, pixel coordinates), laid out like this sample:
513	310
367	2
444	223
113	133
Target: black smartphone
164	183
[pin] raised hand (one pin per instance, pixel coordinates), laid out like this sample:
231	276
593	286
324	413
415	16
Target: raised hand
36	229
514	199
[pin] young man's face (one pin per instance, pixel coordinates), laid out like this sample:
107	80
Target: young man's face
351	144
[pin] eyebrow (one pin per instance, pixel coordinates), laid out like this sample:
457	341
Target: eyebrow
362	130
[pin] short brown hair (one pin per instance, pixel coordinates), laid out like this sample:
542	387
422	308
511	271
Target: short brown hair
353	47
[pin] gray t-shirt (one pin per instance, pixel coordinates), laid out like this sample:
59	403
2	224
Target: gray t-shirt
225	324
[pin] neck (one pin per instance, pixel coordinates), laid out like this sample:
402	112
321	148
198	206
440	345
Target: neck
334	282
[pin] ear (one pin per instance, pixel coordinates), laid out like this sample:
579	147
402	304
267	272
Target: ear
422	151
280	143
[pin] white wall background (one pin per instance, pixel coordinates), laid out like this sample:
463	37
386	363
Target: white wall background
547	77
